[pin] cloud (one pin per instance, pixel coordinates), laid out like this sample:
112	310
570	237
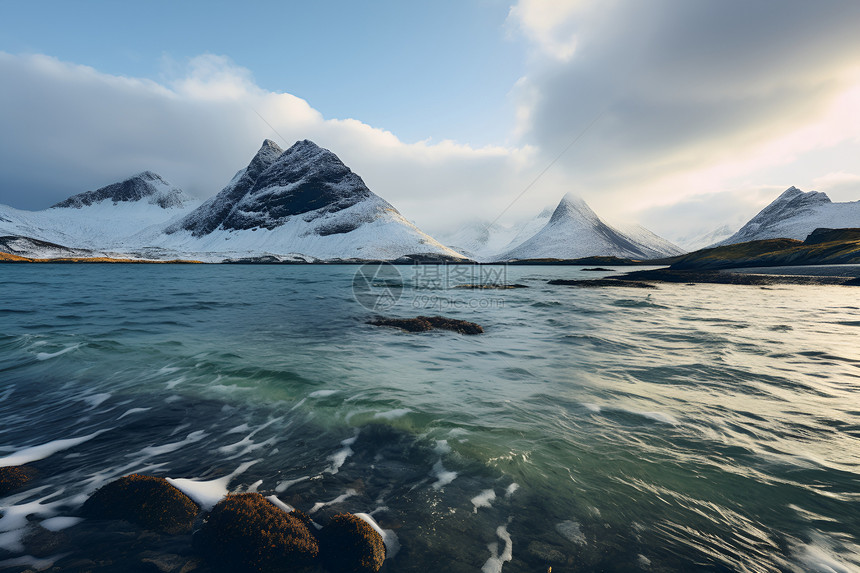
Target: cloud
685	92
70	128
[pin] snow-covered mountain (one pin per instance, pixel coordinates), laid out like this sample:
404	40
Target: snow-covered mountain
102	219
794	215
302	201
299	204
575	231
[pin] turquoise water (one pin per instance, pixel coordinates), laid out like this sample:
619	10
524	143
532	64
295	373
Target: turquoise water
708	427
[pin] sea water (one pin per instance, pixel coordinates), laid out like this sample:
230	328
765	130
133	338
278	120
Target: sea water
681	428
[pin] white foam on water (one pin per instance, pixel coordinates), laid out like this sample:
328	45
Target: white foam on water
339	457
571	531
322	393
821	555
273	499
299	405
12	541
483	499
511	489
168	370
207	493
592	408
658	417
389	538
809	515
49	355
32	563
60	523
238	429
392	414
131	411
96	400
14	520
282	487
443	476
254	486
175	382
495	562
191	438
172	399
442	447
321	504
40	452
643	561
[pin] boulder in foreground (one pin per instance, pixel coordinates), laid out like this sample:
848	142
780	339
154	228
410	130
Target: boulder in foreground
245	532
144	500
348	544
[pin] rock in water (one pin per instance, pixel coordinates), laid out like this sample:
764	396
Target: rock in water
245	532
350	545
425	323
144	500
13	477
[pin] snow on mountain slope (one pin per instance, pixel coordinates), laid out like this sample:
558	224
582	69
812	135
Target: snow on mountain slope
102	219
301	201
575	231
794	215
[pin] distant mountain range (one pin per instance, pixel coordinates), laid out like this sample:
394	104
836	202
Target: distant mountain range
794	215
305	205
571	230
302	204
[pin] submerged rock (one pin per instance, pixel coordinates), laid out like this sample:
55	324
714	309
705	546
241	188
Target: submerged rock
13	477
245	532
350	545
144	500
426	323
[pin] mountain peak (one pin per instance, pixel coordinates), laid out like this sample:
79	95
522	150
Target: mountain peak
145	185
795	214
572	207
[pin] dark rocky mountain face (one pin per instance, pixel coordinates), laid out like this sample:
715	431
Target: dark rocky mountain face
304	178
136	188
278	185
213	212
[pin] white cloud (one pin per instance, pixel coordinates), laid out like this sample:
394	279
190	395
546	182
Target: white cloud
70	128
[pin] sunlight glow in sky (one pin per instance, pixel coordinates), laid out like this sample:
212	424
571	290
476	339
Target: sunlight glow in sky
706	110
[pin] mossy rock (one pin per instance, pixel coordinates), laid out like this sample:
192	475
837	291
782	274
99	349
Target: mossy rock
144	500
13	477
245	532
348	544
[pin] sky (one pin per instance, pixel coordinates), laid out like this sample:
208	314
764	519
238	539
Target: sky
682	116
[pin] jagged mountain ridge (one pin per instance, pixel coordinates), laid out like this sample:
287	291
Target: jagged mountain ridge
302	201
99	220
794	215
575	231
214	211
146	185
